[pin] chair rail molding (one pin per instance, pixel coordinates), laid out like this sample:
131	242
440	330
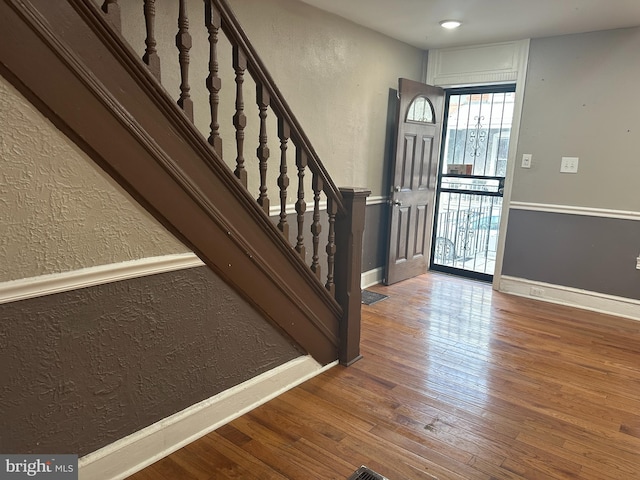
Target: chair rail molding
32	287
576	210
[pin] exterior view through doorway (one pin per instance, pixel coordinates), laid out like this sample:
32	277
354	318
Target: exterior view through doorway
470	186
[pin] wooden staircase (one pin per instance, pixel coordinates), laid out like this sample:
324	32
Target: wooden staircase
71	61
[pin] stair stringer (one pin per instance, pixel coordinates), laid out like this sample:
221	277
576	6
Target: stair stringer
100	95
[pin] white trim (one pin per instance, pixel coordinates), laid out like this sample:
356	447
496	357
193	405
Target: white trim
473	65
372	277
139	450
522	48
377	200
32	287
576	210
290	209
573	297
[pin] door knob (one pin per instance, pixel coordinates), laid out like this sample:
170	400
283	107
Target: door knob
398	203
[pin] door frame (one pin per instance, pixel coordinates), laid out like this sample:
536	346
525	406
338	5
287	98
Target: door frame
489	64
475	89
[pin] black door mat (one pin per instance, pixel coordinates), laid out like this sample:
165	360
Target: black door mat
369	297
364	473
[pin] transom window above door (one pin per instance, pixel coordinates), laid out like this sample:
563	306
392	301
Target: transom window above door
421	111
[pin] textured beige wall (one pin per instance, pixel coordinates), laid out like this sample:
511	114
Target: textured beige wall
581	101
59	212
334	74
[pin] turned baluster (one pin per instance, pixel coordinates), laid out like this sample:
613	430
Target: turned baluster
284	132
316	228
112	11
183	43
150	56
301	206
263	150
332	210
240	119
214	84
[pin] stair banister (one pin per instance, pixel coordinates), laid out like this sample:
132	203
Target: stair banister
333	312
261	75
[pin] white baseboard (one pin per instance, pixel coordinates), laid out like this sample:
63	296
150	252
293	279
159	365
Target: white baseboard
32	287
372	277
138	450
573	297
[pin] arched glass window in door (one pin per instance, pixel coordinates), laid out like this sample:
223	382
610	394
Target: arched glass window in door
421	111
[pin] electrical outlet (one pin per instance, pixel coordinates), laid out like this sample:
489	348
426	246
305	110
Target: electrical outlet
526	160
638	263
537	292
569	165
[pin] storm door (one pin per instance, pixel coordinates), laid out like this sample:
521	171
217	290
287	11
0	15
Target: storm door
473	166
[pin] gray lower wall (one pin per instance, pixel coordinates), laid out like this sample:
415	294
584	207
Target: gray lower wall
591	253
84	368
374	241
376	230
307	237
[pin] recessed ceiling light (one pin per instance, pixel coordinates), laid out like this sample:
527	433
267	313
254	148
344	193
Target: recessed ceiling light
450	24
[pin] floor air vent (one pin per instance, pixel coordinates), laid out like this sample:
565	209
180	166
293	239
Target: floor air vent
364	473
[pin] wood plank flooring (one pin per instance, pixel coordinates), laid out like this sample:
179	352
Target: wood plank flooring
457	382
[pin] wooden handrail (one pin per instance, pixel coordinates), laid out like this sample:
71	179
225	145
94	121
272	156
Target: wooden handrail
261	75
345	207
224	208
160	159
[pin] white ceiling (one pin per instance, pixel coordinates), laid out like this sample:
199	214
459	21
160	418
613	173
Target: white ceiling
484	21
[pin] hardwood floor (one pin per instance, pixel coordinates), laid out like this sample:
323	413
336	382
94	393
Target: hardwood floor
457	382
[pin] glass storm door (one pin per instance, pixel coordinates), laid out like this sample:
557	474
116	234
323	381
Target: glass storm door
473	165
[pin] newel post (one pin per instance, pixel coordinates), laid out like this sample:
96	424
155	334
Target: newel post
348	269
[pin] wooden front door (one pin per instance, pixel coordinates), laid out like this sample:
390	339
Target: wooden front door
414	177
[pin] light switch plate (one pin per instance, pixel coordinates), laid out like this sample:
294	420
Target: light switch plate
526	160
569	165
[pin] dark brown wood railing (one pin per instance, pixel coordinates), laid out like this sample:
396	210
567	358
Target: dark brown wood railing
178	174
218	17
306	156
150	56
